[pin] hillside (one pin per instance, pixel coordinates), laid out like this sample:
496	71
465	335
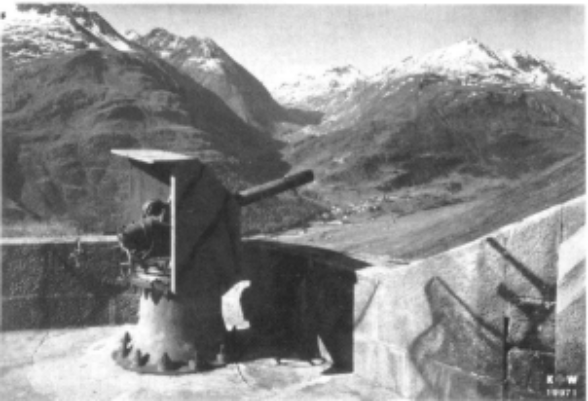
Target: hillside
65	108
322	91
453	123
399	237
63	116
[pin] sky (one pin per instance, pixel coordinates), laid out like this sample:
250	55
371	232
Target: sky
276	41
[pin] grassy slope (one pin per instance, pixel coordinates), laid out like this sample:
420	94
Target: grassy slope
402	140
473	147
433	231
62	116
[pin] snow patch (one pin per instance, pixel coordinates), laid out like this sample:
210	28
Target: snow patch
132	35
112	40
330	82
54	31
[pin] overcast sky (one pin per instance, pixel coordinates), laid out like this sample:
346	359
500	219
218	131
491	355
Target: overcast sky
274	41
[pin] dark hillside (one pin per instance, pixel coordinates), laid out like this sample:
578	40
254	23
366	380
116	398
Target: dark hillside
429	131
433	231
63	115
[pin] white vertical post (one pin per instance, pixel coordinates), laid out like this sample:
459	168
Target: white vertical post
173	247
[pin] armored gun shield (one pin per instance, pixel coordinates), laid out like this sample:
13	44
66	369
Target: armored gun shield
204	222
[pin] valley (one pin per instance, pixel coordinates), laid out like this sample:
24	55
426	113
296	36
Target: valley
391	235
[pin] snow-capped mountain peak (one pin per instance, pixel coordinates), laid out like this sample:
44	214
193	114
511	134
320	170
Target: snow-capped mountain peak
165	43
315	85
465	63
472	62
525	62
132	35
33	31
461	59
466	52
208	64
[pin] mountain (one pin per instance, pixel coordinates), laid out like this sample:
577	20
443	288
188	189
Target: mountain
34	31
132	35
459	117
73	89
212	67
542	74
437	129
472	62
467	62
328	94
320	91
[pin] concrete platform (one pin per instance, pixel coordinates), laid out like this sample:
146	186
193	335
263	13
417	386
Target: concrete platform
435	328
76	364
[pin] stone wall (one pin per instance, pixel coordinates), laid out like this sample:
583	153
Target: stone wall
51	283
500	317
493	318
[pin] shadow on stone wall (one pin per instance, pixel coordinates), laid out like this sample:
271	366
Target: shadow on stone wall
546	290
459	356
529	345
302	298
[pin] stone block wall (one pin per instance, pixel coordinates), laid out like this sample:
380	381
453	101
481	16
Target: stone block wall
51	283
497	318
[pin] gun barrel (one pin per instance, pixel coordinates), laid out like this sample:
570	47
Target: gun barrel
268	189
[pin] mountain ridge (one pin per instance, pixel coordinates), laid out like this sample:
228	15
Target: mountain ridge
468	61
34	31
447	119
211	66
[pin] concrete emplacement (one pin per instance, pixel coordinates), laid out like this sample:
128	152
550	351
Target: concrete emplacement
183	263
493	318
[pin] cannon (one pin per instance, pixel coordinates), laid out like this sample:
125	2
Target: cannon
184	253
266	190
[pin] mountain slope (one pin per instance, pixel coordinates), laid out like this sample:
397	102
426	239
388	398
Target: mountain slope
209	65
341	92
460	114
65	109
420	235
329	94
321	91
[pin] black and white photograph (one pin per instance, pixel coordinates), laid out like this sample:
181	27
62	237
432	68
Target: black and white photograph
306	201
